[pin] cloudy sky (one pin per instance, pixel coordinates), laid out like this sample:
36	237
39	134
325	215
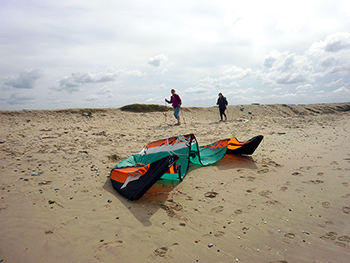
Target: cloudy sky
87	54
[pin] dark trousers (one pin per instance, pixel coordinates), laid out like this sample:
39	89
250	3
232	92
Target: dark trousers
222	113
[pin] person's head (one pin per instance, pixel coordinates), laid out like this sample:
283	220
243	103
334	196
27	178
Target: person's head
220	94
173	91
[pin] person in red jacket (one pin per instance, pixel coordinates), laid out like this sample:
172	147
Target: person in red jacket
176	103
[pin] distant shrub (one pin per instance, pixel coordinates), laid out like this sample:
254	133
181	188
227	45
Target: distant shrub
144	108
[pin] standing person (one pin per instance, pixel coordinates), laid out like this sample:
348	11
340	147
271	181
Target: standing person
176	103
222	102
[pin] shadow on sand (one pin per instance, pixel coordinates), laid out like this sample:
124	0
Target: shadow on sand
144	208
231	161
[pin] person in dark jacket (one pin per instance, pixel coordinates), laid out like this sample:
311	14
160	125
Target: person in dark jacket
222	102
176	103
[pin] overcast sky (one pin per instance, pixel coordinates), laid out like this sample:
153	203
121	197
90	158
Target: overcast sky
103	54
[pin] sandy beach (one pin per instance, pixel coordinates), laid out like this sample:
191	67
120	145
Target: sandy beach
288	202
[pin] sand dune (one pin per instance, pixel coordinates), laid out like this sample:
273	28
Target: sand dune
288	202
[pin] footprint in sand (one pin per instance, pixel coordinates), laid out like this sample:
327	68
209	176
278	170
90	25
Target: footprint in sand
160	252
346	184
317	181
325	224
265	193
171	207
219	234
48	231
217	209
344	238
329	235
250	178
340	244
189	198
107	245
306	168
346	210
272	202
326	204
283	188
346	196
238	211
289	235
273	163
211	194
263	171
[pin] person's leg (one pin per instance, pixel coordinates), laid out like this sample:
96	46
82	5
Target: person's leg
177	114
221	113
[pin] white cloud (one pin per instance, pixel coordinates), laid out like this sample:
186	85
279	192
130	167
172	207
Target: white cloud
342	90
75	81
25	79
271	59
333	43
332	54
243	91
20	99
287	68
157	60
337	42
195	90
235	72
335	83
129	73
277	89
333	64
92	97
304	88
232	85
205	85
104	90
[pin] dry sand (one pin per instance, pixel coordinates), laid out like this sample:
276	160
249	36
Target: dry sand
288	202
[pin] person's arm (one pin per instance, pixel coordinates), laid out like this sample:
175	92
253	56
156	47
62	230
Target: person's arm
169	101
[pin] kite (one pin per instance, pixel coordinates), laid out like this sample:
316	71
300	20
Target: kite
170	159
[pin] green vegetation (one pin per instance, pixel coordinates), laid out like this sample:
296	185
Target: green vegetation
144	108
